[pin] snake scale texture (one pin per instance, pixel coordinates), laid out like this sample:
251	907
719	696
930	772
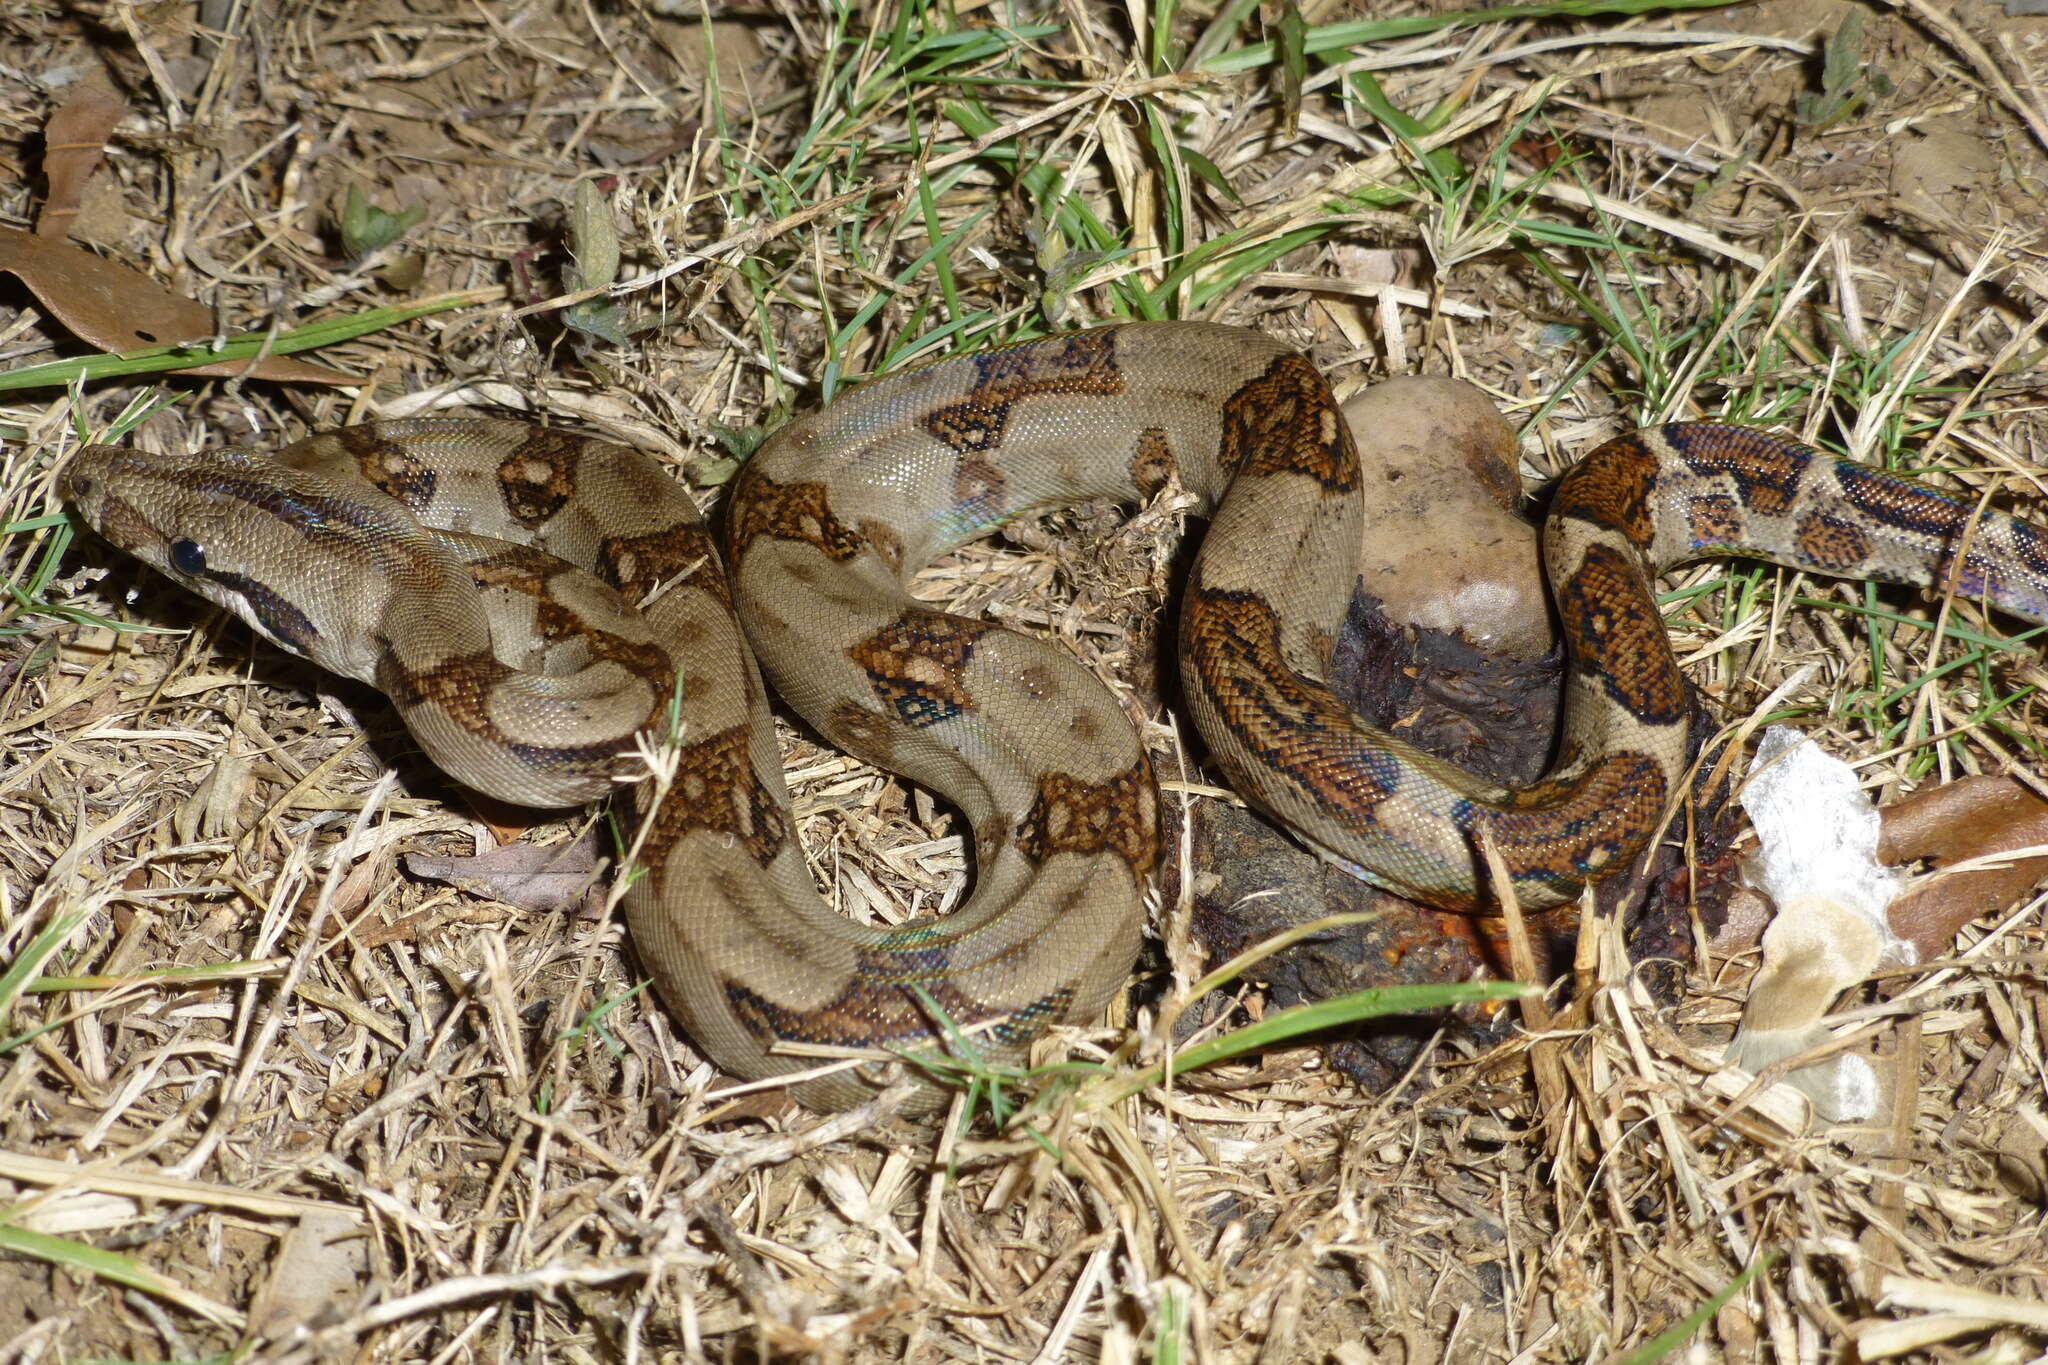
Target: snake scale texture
533	601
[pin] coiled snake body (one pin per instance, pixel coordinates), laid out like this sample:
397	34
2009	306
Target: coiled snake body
532	601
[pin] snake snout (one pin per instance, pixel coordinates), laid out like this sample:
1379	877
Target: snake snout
84	479
77	484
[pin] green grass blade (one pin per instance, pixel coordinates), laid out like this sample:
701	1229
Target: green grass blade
45	945
112	1267
1376	1002
1336	37
247	346
1675	1336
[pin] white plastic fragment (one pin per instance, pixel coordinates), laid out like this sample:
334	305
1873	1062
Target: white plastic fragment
1817	835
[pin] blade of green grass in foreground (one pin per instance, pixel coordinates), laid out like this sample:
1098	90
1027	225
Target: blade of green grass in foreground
28	966
1170	1323
113	1267
961	1062
1331	37
248	346
1675	1336
1375	1002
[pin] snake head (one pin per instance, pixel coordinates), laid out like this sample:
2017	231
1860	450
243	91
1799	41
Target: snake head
303	559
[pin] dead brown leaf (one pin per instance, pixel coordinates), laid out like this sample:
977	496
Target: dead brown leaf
525	876
118	309
317	1275
1969	818
74	140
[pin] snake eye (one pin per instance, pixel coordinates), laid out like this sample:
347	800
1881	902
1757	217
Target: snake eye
187	557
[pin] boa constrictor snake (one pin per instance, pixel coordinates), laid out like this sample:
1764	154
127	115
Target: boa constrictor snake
532	601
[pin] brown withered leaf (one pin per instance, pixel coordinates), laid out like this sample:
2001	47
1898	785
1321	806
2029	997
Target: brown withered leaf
316	1275
118	309
74	140
525	876
1968	818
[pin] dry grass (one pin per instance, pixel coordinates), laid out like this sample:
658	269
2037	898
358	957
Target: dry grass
324	1109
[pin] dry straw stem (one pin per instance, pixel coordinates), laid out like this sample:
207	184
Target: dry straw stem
232	1012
